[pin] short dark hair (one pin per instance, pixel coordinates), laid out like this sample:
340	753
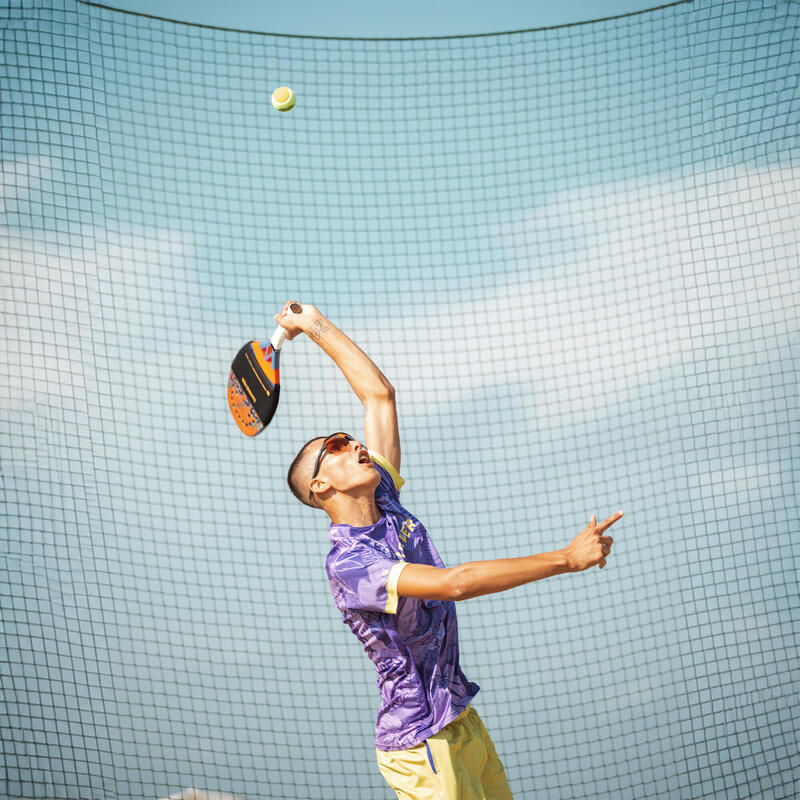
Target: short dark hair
294	476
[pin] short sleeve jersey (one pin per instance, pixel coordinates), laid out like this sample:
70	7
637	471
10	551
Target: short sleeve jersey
413	643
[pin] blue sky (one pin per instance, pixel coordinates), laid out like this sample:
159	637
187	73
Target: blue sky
384	19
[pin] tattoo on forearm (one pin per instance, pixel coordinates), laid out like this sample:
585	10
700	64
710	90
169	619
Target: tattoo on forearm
318	328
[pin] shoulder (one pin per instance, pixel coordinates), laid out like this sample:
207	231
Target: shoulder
391	482
349	554
342	548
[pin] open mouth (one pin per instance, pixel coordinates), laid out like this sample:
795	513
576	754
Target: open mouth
364	458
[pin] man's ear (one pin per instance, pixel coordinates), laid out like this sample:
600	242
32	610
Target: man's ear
319	486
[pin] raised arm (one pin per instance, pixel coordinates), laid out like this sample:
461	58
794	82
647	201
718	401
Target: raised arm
475	578
370	385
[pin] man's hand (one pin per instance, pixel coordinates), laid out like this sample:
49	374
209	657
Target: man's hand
590	547
307	320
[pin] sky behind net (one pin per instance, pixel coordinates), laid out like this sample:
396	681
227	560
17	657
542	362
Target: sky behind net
573	251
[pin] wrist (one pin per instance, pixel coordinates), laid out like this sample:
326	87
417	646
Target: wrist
316	327
567	562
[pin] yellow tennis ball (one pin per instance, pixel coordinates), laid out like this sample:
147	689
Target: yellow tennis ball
283	98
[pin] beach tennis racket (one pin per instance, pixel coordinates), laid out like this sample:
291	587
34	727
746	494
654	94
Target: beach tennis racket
254	383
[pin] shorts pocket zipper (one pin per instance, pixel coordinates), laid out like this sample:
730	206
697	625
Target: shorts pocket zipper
430	757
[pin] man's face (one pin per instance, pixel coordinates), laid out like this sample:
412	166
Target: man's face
346	468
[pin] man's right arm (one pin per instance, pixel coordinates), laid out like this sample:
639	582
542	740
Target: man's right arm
367	381
476	578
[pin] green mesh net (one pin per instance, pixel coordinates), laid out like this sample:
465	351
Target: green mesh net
573	251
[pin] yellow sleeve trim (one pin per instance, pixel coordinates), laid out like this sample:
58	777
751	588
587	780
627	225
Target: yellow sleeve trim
391	587
379	459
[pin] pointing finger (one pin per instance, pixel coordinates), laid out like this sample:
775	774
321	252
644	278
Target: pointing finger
607	523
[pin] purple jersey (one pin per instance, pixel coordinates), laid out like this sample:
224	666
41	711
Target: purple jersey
413	643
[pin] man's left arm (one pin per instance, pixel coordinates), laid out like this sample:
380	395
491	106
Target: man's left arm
370	385
588	549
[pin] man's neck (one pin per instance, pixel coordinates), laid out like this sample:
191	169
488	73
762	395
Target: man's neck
358	512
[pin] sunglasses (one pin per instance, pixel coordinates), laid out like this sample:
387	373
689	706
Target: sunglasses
333	444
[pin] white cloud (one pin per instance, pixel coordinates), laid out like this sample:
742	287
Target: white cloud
66	298
661	270
18	178
664	269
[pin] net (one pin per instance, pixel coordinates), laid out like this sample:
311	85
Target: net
573	251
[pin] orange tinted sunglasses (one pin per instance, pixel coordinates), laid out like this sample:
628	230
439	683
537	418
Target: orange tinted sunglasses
335	443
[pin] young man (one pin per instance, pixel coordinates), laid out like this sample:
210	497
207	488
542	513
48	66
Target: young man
396	594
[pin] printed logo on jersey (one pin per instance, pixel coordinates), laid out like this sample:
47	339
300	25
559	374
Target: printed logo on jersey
408	528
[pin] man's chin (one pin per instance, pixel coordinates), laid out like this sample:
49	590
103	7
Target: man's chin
373	477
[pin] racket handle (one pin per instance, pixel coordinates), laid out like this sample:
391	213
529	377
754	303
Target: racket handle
278	338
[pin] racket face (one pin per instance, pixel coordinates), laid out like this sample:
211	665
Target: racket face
254	387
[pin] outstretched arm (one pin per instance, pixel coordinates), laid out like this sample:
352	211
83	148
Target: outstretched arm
367	381
589	548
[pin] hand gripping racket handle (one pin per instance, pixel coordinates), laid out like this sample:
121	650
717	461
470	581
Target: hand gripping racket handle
279	337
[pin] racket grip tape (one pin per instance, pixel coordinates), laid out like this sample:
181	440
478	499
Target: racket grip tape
279	337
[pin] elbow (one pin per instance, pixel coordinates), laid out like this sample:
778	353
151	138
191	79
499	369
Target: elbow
382	392
386	391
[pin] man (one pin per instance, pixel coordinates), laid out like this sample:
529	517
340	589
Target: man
396	594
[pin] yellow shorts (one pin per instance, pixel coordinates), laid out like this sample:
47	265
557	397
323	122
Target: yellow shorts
458	763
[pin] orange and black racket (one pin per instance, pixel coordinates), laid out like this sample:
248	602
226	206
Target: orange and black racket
254	382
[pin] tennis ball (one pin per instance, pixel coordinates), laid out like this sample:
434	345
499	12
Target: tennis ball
283	98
